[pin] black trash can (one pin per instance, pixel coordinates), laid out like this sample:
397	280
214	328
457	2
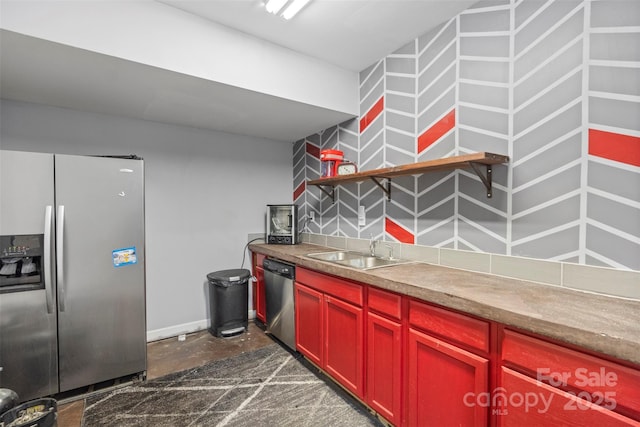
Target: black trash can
229	302
35	413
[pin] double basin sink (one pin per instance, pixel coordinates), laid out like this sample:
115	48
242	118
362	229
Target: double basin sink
356	259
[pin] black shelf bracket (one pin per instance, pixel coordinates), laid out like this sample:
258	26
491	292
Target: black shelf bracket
386	188
331	193
486	179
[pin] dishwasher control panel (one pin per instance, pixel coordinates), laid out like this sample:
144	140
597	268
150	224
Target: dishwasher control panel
279	267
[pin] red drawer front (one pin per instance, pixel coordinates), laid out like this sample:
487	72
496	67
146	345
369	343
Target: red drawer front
523	401
343	289
385	302
563	367
456	327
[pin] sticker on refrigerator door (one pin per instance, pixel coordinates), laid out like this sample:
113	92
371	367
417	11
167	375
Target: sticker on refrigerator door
125	256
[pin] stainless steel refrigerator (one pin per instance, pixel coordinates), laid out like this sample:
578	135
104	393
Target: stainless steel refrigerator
72	276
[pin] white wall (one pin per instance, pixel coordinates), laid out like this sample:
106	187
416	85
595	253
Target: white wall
162	36
205	192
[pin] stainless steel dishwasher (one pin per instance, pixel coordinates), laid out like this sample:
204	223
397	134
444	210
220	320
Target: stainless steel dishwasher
278	282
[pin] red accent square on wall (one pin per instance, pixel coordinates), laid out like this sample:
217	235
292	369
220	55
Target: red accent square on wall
615	146
372	114
313	150
437	131
398	232
298	191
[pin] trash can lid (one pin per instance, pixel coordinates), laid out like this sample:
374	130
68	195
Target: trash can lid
236	275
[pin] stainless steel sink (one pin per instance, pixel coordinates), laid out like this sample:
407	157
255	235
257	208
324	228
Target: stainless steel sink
365	262
335	256
356	259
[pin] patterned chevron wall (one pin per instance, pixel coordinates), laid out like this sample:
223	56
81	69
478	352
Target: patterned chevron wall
555	85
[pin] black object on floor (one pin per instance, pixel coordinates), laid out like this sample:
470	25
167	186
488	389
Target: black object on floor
229	302
265	387
34	413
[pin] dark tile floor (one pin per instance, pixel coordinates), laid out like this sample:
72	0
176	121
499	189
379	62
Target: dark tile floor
262	388
171	355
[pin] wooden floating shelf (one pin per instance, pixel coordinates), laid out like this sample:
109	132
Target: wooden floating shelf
473	161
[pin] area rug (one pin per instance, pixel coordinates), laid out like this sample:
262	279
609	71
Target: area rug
265	387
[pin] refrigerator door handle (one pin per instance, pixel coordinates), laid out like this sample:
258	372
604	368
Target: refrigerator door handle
47	273
60	256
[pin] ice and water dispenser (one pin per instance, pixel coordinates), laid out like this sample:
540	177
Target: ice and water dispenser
21	262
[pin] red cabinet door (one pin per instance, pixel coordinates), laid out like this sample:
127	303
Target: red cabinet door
527	402
384	367
309	323
444	384
344	338
261	308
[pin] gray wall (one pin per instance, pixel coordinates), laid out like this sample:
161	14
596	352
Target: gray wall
553	85
205	192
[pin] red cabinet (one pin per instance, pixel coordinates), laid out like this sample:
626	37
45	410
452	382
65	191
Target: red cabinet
384	391
344	340
426	365
258	288
446	383
309	323
384	367
330	326
261	307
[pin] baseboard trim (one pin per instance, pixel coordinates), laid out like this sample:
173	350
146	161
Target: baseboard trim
184	328
175	330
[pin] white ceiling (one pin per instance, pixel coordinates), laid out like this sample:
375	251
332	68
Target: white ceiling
351	34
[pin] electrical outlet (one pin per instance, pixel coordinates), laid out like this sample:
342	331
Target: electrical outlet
312	216
362	216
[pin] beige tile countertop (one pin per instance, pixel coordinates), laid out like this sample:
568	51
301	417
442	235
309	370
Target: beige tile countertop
607	325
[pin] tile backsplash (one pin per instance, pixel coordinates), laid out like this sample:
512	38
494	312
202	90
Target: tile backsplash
600	280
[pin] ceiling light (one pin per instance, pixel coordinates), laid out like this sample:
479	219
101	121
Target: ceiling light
293	7
274	6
